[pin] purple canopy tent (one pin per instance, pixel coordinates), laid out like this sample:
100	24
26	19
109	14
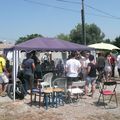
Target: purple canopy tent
49	44
42	44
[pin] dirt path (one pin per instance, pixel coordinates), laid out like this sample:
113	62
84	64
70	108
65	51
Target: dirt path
86	110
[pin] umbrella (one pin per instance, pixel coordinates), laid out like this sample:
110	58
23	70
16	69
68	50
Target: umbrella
105	46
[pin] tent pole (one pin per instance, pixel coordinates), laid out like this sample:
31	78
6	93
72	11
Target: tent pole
15	70
17	62
14	74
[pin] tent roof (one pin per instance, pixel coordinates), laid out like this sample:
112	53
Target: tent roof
49	44
104	46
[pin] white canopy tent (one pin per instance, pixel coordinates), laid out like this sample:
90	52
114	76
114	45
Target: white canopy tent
104	46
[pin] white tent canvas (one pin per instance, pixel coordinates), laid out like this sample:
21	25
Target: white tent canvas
105	46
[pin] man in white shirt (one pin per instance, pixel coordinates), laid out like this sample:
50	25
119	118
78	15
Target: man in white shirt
72	69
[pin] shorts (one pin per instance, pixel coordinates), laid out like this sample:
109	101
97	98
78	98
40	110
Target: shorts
108	69
90	80
3	78
70	80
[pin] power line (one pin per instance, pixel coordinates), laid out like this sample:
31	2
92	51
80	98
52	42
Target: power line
69	1
103	16
105	13
102	12
72	10
52	6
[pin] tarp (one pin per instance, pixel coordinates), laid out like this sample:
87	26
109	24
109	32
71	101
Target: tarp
49	44
104	46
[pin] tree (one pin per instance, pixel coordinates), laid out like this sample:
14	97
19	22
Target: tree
107	40
76	34
28	37
117	42
63	36
93	34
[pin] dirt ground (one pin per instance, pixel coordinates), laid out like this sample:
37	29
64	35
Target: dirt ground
87	109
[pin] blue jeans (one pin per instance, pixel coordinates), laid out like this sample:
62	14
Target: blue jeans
29	80
90	80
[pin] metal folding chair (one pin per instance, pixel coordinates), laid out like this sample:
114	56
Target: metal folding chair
108	89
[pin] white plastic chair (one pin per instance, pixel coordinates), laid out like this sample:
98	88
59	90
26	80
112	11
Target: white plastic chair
59	82
47	80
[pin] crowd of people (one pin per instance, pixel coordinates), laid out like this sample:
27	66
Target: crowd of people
90	68
79	65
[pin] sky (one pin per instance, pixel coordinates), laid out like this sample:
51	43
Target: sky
49	18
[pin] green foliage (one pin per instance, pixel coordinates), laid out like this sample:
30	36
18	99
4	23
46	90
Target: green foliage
76	34
117	41
107	41
28	37
62	36
93	34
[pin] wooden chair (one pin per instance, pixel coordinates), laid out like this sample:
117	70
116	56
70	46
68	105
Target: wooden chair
36	91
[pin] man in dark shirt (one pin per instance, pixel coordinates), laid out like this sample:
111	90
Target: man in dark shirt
34	57
28	69
91	76
100	62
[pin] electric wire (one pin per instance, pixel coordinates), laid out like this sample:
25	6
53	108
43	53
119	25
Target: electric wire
106	15
52	6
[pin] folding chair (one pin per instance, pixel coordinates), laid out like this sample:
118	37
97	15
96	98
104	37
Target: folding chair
75	93
108	89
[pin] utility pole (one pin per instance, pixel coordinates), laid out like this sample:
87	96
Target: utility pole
83	23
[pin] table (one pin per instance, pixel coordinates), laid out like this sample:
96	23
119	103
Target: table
52	96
